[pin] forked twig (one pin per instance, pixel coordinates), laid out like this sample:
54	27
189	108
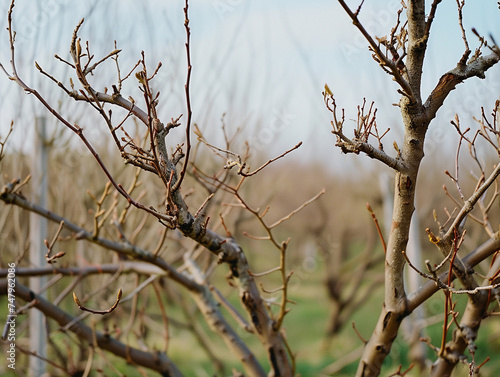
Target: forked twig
50	246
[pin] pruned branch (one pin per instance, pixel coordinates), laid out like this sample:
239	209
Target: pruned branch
459	74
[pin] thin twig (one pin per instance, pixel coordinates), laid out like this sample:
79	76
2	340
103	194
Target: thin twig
188	98
50	246
240	171
102	312
305	204
381	236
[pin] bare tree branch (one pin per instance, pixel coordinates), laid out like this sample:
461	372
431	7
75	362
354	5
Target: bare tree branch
394	70
451	79
156	361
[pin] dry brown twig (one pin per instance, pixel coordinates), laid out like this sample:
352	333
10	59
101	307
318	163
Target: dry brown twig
3	140
379	231
400	372
94	311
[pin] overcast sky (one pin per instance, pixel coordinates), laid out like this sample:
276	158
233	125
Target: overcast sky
263	63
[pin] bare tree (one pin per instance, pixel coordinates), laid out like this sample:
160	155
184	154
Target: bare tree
401	54
145	149
141	244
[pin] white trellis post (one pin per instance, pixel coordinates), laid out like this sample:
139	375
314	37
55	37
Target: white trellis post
38	232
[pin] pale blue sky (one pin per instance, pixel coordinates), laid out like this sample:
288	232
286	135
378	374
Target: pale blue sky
262	63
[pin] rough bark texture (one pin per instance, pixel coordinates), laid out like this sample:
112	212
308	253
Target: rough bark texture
395	301
415	126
